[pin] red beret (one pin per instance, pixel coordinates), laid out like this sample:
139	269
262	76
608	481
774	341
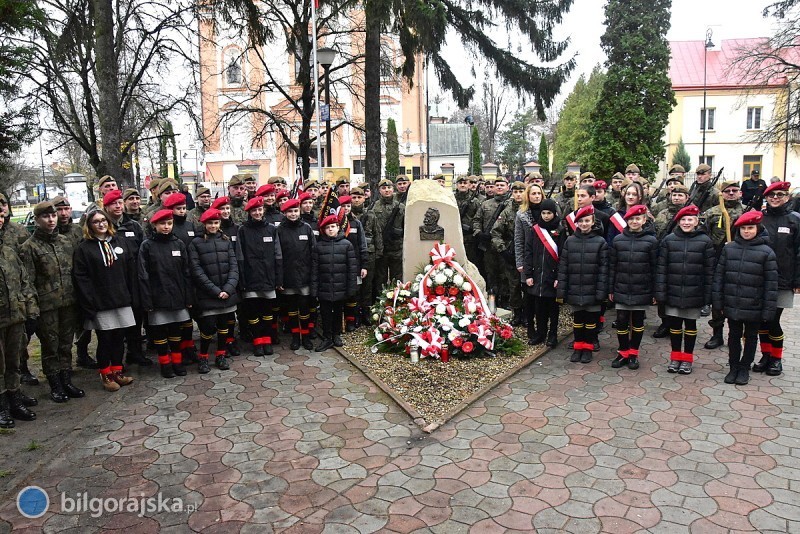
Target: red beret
175	199
221	201
254	202
330	219
345	199
283	193
633	211
749	218
600	184
289	204
161	215
265	189
111	197
211	214
686	211
584	212
305	196
777	186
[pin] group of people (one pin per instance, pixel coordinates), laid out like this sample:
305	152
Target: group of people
683	250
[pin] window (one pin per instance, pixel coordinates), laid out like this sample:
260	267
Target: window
233	67
415	172
707	117
750	164
753	118
708	160
359	166
402	169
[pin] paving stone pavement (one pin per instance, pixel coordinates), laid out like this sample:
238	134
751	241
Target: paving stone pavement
302	442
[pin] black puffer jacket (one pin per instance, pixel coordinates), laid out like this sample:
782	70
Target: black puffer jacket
183	229
297	243
230	229
212	262
100	287
358	239
583	269
131	230
783	227
259	256
685	269
273	215
164	279
537	263
746	280
334	269
632	267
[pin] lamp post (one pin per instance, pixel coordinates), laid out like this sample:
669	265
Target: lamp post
325	56
708	44
471	123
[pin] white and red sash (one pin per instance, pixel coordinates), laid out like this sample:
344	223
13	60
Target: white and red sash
571	220
547	241
618	221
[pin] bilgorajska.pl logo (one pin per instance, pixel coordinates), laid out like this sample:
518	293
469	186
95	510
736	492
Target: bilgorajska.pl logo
97	506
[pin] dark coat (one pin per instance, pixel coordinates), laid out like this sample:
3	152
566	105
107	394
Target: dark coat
746	280
538	264
685	269
212	262
273	215
184	229
783	227
100	287
297	243
334	268
131	230
358	239
632	267
259	256
230	229
583	269
164	278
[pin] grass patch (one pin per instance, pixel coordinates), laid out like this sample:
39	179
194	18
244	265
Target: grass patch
33	445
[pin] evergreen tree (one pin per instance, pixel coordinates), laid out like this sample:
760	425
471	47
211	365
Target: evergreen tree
392	150
681	156
544	157
628	122
476	151
572	139
517	141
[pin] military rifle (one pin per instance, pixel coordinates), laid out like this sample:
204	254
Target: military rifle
692	200
552	188
757	200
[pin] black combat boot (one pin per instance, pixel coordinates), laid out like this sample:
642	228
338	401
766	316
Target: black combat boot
552	339
295	342
366	319
233	348
26	377
762	364
661	331
716	341
65	375
17	407
730	378
6	421
56	388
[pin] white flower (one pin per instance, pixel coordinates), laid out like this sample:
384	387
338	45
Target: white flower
419	277
458	279
472	307
440	309
390	294
452	335
429	282
415	288
464	322
440	279
375	317
403	329
467	286
448	272
404	293
441	266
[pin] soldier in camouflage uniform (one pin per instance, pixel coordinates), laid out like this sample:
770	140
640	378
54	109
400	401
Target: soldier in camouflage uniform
565	199
165	188
104	185
719	228
678	199
236	190
468	206
17	303
250	188
482	225
701	185
47	256
402	183
665	197
203	202
153	188
374	248
503	243
390	216
616	188
133	204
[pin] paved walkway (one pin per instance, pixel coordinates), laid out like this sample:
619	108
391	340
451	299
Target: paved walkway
304	443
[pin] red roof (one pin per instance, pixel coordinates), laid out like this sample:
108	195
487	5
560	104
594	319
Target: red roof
686	65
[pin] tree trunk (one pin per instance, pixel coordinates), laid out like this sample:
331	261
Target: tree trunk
372	96
107	72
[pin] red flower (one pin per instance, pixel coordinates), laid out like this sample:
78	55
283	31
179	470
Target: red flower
468	346
506	334
472	328
439	290
453	291
458	342
386	335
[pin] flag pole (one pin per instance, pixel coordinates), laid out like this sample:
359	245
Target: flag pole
314	6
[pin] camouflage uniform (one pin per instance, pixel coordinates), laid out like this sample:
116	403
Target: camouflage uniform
71	231
710	201
15	234
238	214
375	249
714	224
48	260
565	200
503	243
664	218
391	260
468	205
481	229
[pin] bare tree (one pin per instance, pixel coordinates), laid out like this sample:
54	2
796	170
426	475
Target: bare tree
490	115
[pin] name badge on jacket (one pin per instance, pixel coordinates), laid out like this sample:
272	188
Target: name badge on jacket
267	239
129	234
233	238
176	253
784	230
303	237
353	230
191	234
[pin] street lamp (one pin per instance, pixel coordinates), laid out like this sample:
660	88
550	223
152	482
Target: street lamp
471	123
325	57
708	44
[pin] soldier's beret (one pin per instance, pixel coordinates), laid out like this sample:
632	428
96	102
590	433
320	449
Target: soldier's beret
677	168
104	179
130	192
164	186
357	191
680	189
266	189
175	199
401	178
345	199
235	180
221	201
342	180
461	178
729	183
618	176
777	186
303	197
154	183
112	196
440	177
283	193
600	184
586	175
161	215
248	178
43	207
750	218
289	204
211	214
687	211
311	183
254	202
203	191
570	176
674	178
61	201
535	176
584	212
518	186
632	168
633	211
330	219
702	168
385	181
500	179
473	179
276	180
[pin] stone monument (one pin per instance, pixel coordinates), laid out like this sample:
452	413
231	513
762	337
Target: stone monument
425	196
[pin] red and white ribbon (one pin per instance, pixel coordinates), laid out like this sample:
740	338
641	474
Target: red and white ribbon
547	241
618	221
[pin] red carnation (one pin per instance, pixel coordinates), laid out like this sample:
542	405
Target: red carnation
439	290
472	328
506	333
468	346
453	291
458	342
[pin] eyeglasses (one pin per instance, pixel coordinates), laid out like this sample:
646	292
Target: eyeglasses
731	191
778	195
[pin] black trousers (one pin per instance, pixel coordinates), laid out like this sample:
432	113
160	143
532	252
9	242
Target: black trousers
737	330
331	314
167	339
109	347
543	311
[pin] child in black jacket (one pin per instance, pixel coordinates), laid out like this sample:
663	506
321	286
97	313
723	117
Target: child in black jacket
633	263
333	278
746	289
583	280
353	230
